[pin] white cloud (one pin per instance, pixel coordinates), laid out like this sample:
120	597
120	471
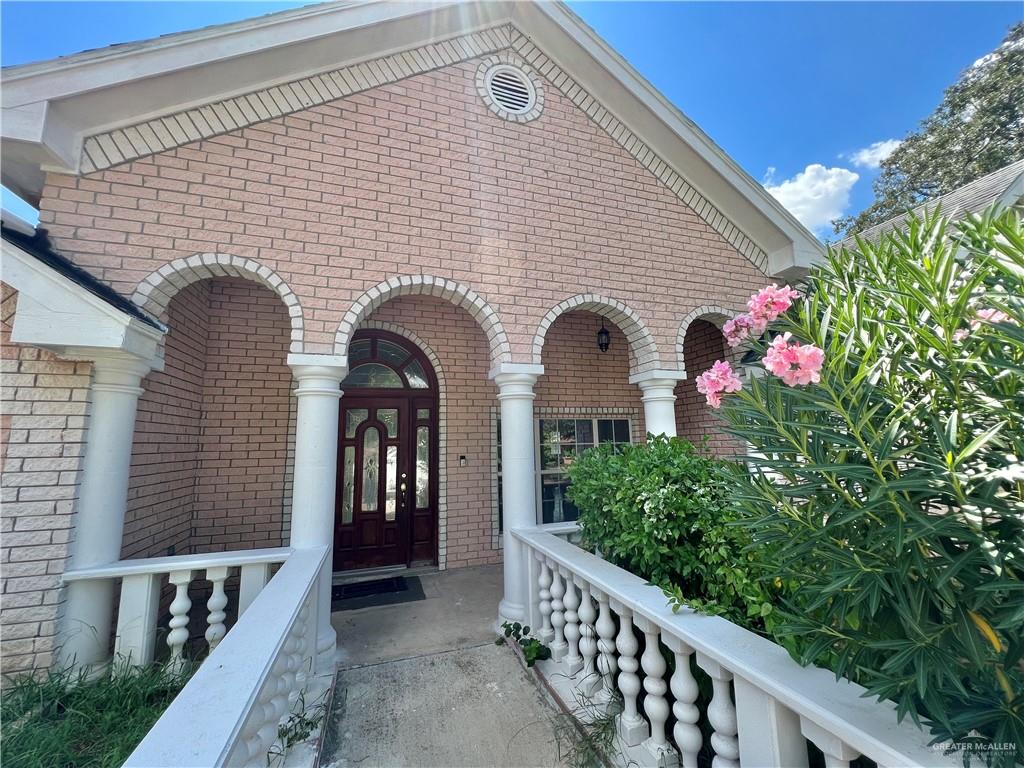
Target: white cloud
816	195
872	157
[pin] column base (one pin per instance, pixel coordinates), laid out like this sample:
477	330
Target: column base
510	612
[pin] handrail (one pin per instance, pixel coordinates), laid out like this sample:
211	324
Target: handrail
179	563
838	707
208	722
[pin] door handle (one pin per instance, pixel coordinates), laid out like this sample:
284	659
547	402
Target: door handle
402	487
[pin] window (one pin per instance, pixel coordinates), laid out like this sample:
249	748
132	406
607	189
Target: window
558	442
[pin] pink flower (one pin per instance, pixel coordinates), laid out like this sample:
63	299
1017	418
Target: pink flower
989	315
720	378
770	302
795	363
742	327
960	334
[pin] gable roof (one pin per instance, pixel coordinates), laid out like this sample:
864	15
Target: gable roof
97	109
1003	187
36	243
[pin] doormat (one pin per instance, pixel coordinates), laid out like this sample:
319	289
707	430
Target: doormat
368	594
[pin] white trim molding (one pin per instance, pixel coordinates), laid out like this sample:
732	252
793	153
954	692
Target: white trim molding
641	341
154	294
426	285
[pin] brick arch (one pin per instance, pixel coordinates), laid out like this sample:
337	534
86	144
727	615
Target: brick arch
442	429
641	341
426	285
154	293
712	313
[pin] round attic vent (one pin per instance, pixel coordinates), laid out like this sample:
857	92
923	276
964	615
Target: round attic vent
510	90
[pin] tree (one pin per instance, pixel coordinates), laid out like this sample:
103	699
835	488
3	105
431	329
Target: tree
977	129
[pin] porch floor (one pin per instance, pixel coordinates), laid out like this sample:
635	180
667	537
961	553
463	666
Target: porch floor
423	684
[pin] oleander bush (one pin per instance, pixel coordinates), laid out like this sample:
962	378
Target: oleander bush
886	477
661	510
67	719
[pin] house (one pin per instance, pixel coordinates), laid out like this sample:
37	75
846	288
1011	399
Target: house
346	288
1003	188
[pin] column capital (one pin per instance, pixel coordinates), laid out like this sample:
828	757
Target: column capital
315	371
657	378
517	374
118	371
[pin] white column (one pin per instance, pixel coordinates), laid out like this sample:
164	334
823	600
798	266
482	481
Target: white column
103	497
659	400
519	490
315	476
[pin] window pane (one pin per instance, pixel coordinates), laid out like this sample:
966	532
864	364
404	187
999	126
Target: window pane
605	431
423	414
353	418
391	353
585	431
414	373
371	468
372	375
567	430
422	467
390	418
621	431
391	489
348	488
358	350
555	506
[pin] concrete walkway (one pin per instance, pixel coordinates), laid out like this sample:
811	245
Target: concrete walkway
423	685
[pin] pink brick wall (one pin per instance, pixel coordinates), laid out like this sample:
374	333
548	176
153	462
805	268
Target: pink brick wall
211	459
703	345
45	406
578	375
161	492
414	177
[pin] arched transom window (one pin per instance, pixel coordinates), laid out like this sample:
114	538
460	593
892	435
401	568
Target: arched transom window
386	362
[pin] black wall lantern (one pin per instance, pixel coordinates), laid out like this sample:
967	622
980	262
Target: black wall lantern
604	339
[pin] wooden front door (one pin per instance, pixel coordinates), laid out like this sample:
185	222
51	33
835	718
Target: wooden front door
386	509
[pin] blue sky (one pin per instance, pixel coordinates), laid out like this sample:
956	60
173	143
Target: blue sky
793	91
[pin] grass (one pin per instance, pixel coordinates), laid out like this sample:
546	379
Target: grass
64	720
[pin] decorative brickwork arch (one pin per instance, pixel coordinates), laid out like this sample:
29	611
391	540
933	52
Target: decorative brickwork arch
154	293
641	342
426	285
442	431
712	313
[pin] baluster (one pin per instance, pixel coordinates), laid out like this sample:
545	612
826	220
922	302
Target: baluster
632	726
546	632
558	646
215	605
686	732
590	681
721	715
837	753
606	663
573	660
655	704
180	607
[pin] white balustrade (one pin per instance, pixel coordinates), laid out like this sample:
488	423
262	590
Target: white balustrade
546	632
589	681
139	608
573	661
764	707
229	712
632	726
686	732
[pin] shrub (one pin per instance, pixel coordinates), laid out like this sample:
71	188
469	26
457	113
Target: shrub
890	490
661	511
61	718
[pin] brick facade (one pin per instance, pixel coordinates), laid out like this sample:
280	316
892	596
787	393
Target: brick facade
412	178
695	420
45	408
